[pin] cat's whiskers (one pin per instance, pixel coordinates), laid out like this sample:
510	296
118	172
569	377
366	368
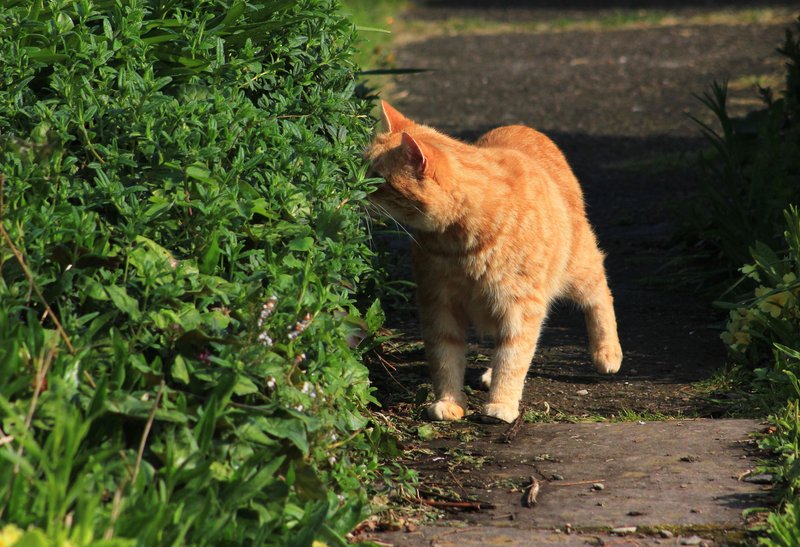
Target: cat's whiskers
383	211
368	226
418	209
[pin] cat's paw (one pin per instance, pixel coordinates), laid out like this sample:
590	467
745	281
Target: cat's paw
502	411
486	379
607	359
446	410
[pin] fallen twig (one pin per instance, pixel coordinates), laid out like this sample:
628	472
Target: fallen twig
388	367
445	503
577	483
514	428
469	505
741	476
529	498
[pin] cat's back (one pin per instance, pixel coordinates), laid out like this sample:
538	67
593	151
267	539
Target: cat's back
542	155
533	144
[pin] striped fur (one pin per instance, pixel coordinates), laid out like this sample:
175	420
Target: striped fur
501	232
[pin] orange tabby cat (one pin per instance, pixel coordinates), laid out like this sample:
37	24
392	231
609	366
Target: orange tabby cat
500	232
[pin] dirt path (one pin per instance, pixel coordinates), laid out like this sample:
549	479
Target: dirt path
615	96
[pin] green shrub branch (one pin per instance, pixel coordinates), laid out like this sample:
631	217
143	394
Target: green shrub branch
182	193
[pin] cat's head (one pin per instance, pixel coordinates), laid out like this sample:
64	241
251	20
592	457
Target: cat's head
410	160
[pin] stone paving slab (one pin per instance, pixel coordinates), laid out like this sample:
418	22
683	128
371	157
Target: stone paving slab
491	536
678	473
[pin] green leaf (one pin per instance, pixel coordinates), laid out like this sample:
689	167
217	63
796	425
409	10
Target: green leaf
307	483
199	172
312	521
122	300
64	23
211	411
159	251
156	210
788	351
45	56
126	404
301	244
233	13
426	432
210	259
360	28
253	430
244	386
179	370
33	538
289	429
160	38
215	320
375	316
245	488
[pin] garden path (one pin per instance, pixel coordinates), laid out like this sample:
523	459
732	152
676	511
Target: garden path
614	89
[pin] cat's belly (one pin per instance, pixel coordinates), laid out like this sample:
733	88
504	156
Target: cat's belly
462	288
479	307
483	322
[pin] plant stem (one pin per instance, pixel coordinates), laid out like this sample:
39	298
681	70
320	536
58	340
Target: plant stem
35	287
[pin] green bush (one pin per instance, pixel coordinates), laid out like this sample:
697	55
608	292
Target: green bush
784	527
771	317
750	175
743	214
181	239
763	336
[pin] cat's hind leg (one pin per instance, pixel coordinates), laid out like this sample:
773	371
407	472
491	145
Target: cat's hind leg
444	332
486	378
589	289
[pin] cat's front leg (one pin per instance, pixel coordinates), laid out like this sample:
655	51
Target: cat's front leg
445	333
515	346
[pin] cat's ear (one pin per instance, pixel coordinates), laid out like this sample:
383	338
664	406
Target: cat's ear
391	119
414	153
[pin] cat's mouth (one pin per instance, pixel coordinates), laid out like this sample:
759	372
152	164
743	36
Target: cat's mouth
390	203
385	199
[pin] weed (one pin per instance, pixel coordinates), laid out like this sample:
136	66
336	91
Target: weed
626	415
